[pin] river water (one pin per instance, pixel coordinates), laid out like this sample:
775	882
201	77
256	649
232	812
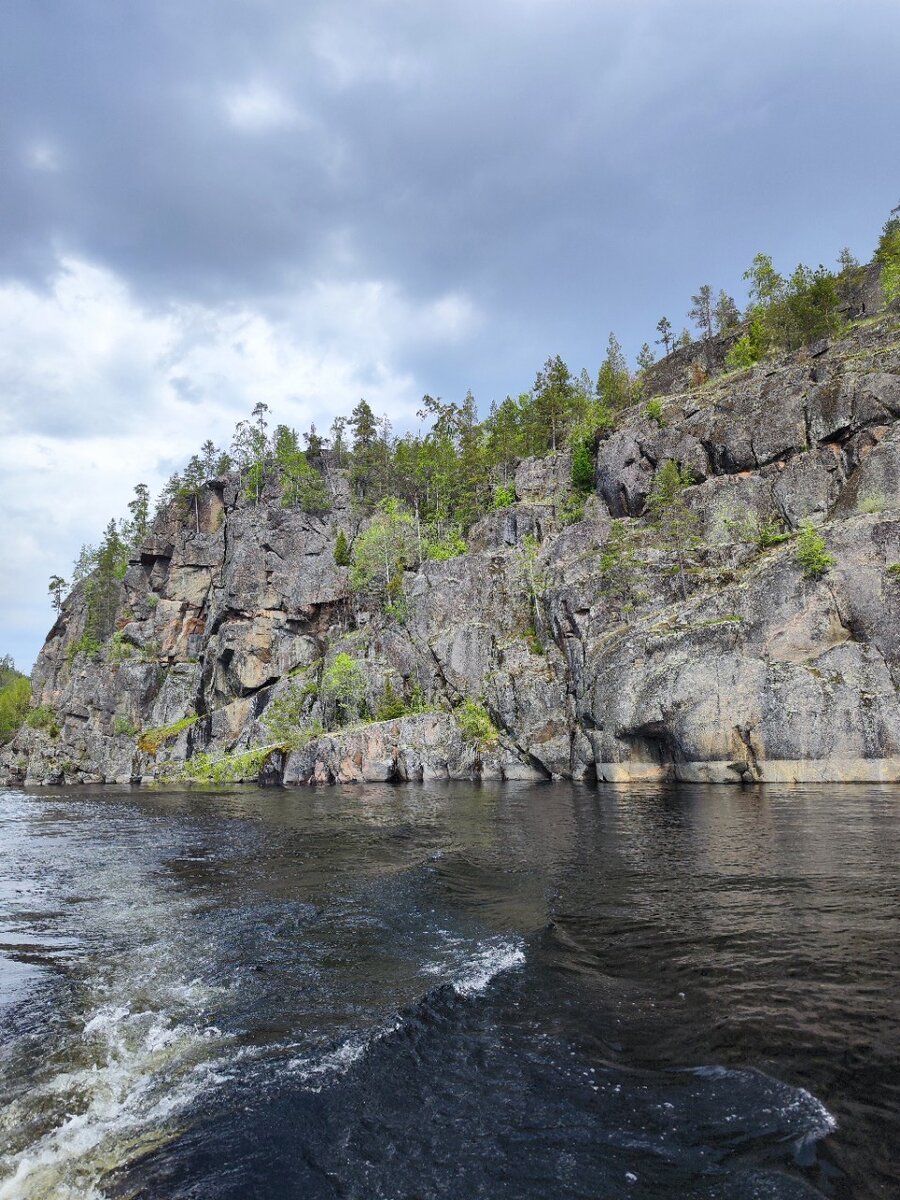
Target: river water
450	991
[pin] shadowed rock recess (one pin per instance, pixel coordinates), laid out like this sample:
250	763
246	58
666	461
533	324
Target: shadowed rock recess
762	673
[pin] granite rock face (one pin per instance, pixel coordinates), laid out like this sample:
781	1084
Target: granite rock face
760	673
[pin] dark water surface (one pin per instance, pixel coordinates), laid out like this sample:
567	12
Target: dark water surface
450	991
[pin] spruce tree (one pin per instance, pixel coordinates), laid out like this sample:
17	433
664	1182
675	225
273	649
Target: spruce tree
342	550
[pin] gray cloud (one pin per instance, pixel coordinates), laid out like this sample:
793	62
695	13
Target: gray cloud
528	173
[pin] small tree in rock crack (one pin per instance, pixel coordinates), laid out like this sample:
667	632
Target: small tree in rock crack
620	571
677	526
57	589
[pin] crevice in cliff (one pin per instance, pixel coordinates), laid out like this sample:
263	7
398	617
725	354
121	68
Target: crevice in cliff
846	622
743	732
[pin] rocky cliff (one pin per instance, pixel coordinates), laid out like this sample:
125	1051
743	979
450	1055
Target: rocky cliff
761	673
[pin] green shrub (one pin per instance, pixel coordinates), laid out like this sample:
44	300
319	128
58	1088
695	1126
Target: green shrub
343	690
15	696
43	717
533	641
811	552
86	644
151	739
391	704
286	720
888	258
383	551
602	418
741	355
449	545
572	509
476	725
124	725
761	533
225	768
894	569
582	468
152	600
120	649
872	504
654	411
504	495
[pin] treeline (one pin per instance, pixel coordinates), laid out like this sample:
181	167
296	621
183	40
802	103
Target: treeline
15	694
787	312
448	476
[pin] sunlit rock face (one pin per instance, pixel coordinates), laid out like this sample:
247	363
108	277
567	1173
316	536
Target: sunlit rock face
760	672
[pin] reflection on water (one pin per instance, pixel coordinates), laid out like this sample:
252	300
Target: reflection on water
449	991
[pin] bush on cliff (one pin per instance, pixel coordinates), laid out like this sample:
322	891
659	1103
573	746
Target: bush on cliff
476	725
287	720
383	551
343	690
811	552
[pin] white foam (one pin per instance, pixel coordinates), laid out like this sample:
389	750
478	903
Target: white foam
316	1072
137	1046
489	959
142	1070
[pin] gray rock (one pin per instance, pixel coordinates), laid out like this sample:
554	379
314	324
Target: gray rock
760	674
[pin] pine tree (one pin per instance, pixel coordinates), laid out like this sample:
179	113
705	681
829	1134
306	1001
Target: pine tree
676	524
366	472
645	358
193	480
702	311
139	508
504	435
666	336
57	590
726	313
554	396
614	385
582	468
103	586
302	486
315	445
338	441
252	452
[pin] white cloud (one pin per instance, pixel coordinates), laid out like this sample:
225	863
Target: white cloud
43	156
257	107
100	393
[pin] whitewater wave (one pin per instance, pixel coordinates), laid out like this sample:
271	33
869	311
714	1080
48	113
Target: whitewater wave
470	971
467	973
139	1070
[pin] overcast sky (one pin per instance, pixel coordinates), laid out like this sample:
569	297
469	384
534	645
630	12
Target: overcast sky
207	203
